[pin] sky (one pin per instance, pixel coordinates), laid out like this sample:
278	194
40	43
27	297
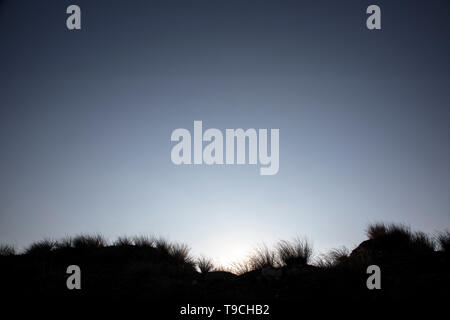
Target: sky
86	118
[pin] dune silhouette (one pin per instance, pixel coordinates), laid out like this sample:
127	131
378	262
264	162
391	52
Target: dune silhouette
413	266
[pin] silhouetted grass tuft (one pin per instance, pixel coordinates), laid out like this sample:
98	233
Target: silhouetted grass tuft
443	239
376	230
333	258
421	242
241	267
41	247
123	241
163	246
339	255
287	253
397	233
7	250
205	264
64	243
399	237
224	269
263	257
89	241
297	252
323	261
144	241
180	253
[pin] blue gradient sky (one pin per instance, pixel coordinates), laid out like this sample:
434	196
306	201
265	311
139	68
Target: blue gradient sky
86	119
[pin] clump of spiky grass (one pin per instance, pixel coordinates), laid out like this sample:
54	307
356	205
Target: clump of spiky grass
396	233
123	241
443	239
163	246
296	252
263	257
180	252
205	264
41	247
376	230
420	241
335	257
176	252
241	267
7	250
323	261
399	236
89	241
144	241
64	243
339	255
221	268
